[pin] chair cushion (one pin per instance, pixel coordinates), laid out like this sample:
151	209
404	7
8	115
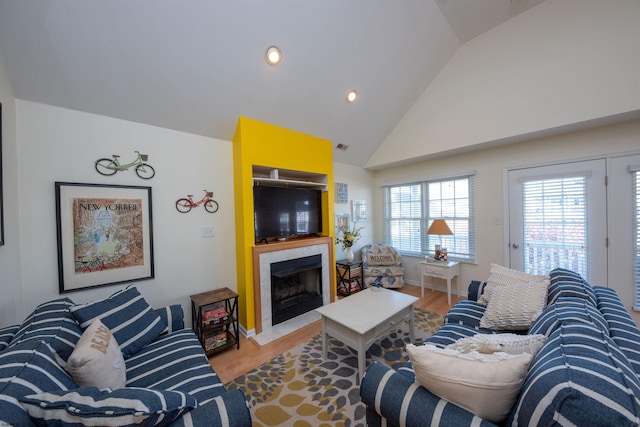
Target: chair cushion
127	315
27	369
90	406
581	378
567	283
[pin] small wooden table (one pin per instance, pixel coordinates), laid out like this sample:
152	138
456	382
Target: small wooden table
442	270
364	318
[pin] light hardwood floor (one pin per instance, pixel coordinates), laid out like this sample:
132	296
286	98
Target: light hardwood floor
232	363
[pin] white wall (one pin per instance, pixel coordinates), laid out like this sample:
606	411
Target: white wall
560	63
11	306
56	144
490	165
359	183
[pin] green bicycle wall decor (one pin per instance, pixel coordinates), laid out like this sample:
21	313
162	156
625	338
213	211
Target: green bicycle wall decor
108	167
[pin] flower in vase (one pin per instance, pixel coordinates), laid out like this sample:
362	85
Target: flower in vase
349	237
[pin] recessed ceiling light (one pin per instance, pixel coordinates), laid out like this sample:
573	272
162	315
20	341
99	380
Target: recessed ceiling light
352	95
273	55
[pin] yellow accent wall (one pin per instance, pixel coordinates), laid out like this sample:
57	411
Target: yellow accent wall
263	144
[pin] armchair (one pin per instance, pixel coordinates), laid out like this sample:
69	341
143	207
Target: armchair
382	266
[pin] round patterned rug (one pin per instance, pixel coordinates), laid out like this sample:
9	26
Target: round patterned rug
299	388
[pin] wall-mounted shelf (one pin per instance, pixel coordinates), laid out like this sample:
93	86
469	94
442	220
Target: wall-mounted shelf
263	175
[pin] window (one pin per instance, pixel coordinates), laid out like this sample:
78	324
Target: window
636	233
411	207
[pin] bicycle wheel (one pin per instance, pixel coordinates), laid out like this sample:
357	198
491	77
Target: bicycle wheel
211	206
145	171
106	166
183	205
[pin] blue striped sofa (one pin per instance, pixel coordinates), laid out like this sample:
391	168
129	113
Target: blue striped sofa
586	374
172	365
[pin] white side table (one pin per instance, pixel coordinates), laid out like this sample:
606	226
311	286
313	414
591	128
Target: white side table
441	270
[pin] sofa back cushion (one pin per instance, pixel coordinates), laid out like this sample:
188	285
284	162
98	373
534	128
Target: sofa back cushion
582	378
567	283
27	369
6	335
622	329
132	321
53	323
568	310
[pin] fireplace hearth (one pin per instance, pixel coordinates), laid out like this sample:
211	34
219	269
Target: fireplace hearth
296	287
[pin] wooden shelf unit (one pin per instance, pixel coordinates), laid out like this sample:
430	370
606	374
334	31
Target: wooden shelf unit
209	323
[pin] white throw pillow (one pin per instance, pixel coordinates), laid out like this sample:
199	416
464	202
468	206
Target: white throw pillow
514	307
486	385
503	276
507	343
97	360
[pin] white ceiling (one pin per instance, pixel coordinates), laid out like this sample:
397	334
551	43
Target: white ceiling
197	65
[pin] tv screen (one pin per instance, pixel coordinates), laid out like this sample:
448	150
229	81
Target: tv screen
280	211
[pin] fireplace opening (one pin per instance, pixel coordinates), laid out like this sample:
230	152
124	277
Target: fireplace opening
296	287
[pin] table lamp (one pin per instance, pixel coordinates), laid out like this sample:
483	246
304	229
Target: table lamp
439	227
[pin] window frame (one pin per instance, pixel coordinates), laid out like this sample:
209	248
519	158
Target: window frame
418	213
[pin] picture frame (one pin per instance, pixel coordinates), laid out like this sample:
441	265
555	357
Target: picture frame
359	210
342	222
342	192
105	235
1	186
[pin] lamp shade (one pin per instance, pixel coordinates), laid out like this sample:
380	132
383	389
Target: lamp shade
440	227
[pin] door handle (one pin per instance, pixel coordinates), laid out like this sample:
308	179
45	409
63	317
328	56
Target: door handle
515	246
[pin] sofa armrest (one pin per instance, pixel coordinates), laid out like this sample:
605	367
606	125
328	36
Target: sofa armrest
228	409
172	316
402	402
475	289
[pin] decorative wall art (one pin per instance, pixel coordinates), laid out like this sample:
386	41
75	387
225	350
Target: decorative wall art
342	193
108	167
1	196
105	235
185	204
342	222
359	210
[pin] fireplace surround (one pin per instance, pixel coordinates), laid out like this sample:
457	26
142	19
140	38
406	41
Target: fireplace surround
266	255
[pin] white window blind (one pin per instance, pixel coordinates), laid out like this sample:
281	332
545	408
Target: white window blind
555	224
636	233
411	207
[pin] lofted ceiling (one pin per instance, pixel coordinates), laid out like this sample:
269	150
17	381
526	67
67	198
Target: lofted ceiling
197	65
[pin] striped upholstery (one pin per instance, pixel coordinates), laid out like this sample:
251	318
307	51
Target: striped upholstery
27	368
6	335
622	329
127	315
53	323
124	407
402	402
568	310
579	378
175	362
229	409
566	283
172	316
467	313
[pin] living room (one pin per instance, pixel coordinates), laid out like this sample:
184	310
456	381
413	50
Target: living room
555	84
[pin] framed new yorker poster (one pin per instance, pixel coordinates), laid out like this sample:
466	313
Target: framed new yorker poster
105	235
1	196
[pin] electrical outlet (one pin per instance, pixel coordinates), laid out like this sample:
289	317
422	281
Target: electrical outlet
207	231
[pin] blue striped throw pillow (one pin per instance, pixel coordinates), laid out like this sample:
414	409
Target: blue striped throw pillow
89	406
567	283
130	319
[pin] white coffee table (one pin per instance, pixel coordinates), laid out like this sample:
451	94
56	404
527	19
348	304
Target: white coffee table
362	318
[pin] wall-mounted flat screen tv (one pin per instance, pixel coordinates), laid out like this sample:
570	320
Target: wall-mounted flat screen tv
283	212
